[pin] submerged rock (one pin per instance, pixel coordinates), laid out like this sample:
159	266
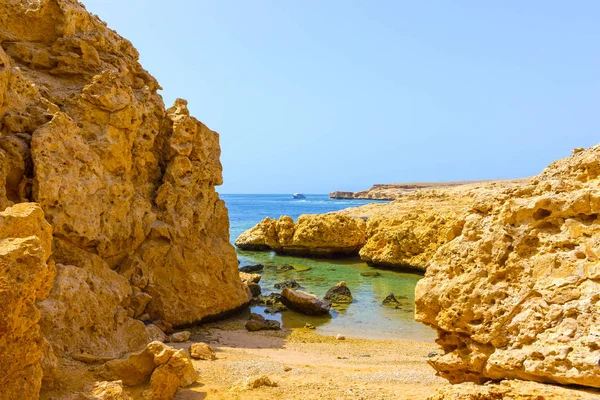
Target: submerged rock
339	294
324	235
304	303
275	309
292	284
285	267
252	268
370	274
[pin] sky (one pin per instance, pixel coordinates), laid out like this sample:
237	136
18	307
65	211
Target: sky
314	96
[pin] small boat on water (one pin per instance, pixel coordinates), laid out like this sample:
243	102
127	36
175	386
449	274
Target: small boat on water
299	196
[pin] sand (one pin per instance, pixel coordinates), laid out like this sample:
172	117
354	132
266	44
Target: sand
302	363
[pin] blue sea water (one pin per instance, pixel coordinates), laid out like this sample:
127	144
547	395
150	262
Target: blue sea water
366	316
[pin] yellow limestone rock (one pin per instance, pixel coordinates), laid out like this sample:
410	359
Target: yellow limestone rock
25	278
317	235
517	294
127	185
512	390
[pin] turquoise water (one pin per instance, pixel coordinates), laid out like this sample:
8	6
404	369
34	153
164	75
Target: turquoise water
366	316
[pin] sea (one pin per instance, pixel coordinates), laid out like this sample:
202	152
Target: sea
365	317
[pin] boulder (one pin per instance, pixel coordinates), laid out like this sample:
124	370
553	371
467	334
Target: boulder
179	337
257	323
155	333
250	278
304	303
254	289
165	368
515	295
252	268
390	300
326	235
339	294
202	351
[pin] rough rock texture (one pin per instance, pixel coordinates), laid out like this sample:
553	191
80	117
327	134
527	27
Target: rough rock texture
101	391
512	390
26	277
305	303
517	294
127	185
202	351
164	367
340	293
324	235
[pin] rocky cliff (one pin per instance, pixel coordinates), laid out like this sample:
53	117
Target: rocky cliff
393	191
126	185
516	294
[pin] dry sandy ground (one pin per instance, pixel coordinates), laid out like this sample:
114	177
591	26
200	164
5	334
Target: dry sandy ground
303	364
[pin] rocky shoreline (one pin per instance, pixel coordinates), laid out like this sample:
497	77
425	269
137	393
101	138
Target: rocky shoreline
393	191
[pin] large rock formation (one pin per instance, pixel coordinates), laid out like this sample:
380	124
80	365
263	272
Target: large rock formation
517	294
325	235
393	191
127	185
26	277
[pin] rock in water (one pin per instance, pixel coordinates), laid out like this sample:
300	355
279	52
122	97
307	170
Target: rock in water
26	277
257	323
304	303
516	295
252	268
127	185
390	300
339	294
324	235
371	274
292	284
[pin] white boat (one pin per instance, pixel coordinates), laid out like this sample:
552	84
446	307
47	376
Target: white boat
299	196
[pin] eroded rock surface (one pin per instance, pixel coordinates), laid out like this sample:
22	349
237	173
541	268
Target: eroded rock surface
517	294
317	235
26	275
127	185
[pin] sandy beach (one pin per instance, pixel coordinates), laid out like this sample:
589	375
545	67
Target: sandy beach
303	365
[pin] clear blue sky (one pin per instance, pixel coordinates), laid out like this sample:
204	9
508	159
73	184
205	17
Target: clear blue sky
314	96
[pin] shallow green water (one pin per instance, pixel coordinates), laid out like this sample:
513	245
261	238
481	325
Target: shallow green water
365	316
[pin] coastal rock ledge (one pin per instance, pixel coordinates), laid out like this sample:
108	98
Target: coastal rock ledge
517	294
321	235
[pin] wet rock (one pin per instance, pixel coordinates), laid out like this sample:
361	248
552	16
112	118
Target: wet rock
391	301
275	309
285	267
202	351
179	337
370	274
271	299
252	268
254	289
290	283
339	294
258	323
304	303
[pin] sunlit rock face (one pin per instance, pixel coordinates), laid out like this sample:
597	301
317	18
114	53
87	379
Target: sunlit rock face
517	294
127	185
26	275
323	235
